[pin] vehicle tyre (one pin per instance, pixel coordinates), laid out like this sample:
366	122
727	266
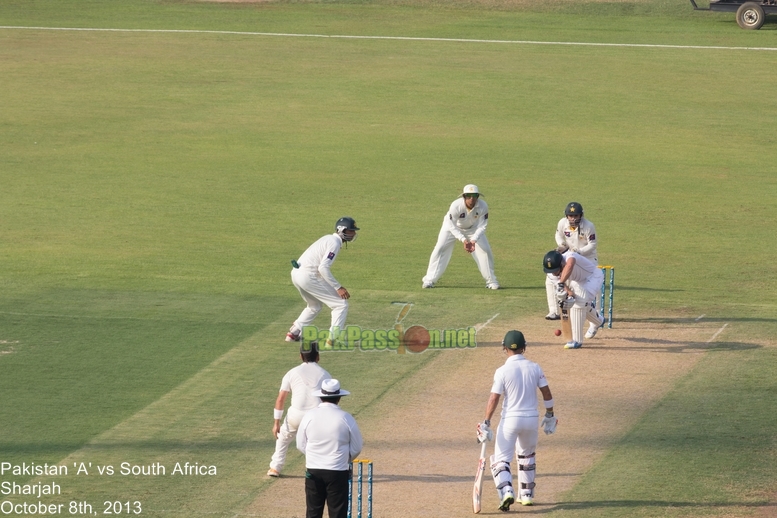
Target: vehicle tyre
750	15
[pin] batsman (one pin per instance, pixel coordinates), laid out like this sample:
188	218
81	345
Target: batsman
579	284
518	381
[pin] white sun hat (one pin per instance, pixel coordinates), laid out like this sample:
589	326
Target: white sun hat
330	388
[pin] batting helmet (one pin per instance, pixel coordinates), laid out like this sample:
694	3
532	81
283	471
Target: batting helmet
552	261
343	224
514	341
574	209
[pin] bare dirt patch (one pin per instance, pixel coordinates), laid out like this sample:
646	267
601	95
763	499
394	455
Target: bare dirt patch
422	436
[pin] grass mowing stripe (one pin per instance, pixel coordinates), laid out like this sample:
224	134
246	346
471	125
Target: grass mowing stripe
707	449
68	378
399	38
218	417
135	162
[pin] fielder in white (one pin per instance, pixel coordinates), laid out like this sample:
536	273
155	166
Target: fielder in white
579	285
518	381
301	382
574	233
577	234
312	276
466	221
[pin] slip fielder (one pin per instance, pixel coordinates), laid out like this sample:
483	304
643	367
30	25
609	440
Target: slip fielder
465	221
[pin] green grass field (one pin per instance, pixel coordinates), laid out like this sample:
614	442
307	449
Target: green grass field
155	186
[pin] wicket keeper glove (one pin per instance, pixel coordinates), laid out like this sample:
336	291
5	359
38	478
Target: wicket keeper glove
484	433
549	423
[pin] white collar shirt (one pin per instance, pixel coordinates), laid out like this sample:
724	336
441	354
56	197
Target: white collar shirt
320	255
584	268
464	223
517	381
302	381
329	438
581	240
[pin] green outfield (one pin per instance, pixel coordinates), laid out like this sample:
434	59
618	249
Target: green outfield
155	186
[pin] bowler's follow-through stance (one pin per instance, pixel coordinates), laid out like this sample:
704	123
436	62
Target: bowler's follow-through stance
312	276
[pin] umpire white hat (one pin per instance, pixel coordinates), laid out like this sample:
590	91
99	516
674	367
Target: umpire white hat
330	388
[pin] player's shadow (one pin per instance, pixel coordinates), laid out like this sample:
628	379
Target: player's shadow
646	344
424	478
690	320
439	478
37	448
674	346
633	506
619	287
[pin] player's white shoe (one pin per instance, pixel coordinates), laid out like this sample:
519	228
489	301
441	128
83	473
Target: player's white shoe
493	286
428	285
291	337
508	499
527	500
552	316
592	331
573	345
273	473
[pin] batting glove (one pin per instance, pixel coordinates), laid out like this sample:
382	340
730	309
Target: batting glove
484	432
549	423
566	303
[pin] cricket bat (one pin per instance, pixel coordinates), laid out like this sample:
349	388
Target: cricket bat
566	325
478	489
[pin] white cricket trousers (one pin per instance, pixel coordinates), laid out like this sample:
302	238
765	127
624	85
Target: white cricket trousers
517	436
584	308
587	291
316	291
551	284
286	436
441	256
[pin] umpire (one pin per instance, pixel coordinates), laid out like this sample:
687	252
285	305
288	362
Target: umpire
330	439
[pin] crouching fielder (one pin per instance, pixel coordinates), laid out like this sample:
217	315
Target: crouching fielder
580	283
517	380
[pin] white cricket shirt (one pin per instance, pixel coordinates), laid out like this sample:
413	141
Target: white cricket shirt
302	381
581	240
583	270
473	222
329	438
319	258
517	382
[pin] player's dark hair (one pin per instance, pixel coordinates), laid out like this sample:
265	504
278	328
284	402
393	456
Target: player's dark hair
333	399
309	352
